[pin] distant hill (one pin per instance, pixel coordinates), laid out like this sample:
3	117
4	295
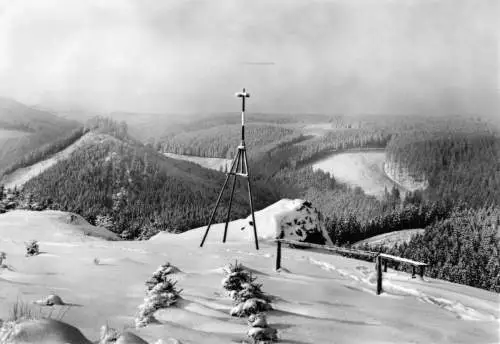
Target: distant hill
23	129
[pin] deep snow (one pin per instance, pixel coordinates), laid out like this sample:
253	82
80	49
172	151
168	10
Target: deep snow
319	298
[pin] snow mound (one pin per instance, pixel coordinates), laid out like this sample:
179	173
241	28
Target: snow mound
289	219
51	226
130	338
41	331
51	300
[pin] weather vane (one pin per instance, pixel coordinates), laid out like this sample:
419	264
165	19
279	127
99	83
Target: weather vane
239	168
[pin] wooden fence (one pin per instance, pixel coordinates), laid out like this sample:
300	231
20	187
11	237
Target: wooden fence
381	259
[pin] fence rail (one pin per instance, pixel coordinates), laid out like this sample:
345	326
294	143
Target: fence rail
381	259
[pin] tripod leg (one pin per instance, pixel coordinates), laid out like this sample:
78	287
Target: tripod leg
217	203
251	201
231	198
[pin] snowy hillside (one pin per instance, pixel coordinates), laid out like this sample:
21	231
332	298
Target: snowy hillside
363	169
318	298
217	164
19	177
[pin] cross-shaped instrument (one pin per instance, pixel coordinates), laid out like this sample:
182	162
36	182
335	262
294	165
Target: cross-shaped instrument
239	167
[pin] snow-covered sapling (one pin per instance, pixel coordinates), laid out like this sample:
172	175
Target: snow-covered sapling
32	248
160	275
246	293
260	332
161	293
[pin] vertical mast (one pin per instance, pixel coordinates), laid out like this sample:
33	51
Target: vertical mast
243	95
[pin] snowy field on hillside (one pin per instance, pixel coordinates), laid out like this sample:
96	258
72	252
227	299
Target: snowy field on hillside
318	298
9	134
22	175
217	164
363	169
317	129
392	238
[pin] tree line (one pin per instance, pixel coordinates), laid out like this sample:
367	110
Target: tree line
462	248
463	167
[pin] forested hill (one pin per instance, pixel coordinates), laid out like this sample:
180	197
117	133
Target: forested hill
24	129
221	141
135	191
462	167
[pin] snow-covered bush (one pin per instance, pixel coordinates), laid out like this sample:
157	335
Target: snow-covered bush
235	277
32	248
161	293
259	331
108	335
249	291
104	221
246	293
160	275
263	335
249	307
3	256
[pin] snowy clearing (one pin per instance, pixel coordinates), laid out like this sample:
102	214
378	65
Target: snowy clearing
217	164
22	175
9	134
363	169
392	238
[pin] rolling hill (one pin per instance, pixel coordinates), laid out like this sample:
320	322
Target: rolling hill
132	188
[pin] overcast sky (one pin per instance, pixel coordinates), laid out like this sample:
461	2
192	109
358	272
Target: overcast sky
337	56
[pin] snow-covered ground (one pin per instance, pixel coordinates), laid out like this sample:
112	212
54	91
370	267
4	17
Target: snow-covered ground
363	169
318	298
8	134
217	164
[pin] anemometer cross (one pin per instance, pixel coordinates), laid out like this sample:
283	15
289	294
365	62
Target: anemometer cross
239	168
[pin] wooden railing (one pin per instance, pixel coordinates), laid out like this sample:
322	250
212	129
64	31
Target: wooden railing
381	259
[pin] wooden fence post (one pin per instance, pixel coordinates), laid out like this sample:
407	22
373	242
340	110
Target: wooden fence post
278	255
378	265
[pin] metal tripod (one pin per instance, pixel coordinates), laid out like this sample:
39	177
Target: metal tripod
239	168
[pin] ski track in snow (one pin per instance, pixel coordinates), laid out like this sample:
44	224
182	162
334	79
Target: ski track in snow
460	310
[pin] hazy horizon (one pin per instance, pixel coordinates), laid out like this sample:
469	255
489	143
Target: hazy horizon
296	56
